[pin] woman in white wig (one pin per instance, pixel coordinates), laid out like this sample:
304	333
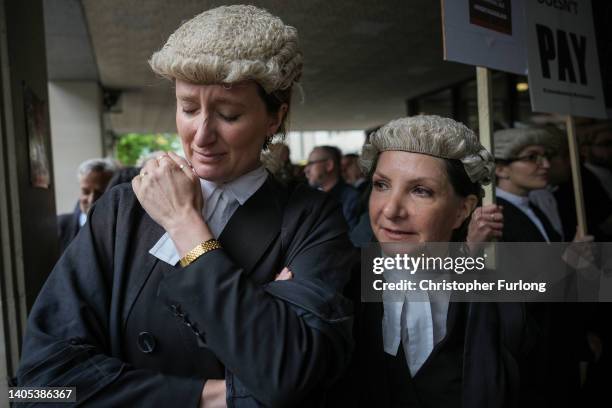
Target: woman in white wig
427	173
523	164
175	293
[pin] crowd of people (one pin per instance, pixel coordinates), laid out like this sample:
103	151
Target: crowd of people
230	276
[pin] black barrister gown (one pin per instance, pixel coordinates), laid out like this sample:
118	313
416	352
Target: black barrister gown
130	330
68	227
476	365
550	374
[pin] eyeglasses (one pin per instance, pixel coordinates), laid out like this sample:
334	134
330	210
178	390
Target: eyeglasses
536	158
311	162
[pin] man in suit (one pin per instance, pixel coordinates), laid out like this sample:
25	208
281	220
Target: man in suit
352	173
596	147
93	176
323	172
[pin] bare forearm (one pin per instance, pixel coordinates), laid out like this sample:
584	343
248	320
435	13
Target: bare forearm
189	232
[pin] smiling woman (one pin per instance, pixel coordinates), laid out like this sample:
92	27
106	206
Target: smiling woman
523	164
413	199
427	173
179	290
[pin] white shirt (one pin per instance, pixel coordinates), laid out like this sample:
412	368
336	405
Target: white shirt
224	200
359	182
522	203
416	320
604	176
82	219
544	199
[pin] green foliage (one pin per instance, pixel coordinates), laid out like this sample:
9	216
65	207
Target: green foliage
133	146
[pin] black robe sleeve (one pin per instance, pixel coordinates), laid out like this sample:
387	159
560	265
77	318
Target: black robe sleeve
68	336
286	340
280	342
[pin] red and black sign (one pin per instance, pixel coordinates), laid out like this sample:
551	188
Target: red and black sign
495	15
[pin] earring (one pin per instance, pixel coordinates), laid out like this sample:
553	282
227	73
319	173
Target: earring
268	141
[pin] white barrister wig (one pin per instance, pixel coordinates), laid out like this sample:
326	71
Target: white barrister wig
510	142
231	44
435	136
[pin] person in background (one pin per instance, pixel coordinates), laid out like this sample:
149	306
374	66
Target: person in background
559	173
93	176
276	160
427	174
352	173
596	147
523	164
557	199
323	172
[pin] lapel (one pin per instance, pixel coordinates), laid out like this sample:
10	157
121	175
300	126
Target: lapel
74	224
452	316
373	361
553	235
484	375
254	225
150	232
518	227
245	238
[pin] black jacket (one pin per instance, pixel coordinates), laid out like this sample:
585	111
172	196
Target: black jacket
281	343
68	227
348	197
549	376
598	204
495	340
518	227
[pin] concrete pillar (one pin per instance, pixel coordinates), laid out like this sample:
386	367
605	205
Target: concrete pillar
28	228
75	108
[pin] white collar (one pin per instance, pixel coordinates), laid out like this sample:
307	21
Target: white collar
241	188
415	319
359	182
82	219
515	199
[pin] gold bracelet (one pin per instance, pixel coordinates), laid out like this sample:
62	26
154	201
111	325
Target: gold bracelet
199	250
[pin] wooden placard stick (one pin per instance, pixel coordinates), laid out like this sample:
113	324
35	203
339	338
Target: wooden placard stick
572	144
485	134
485	121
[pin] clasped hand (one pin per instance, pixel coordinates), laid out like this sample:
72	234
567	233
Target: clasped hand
169	191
